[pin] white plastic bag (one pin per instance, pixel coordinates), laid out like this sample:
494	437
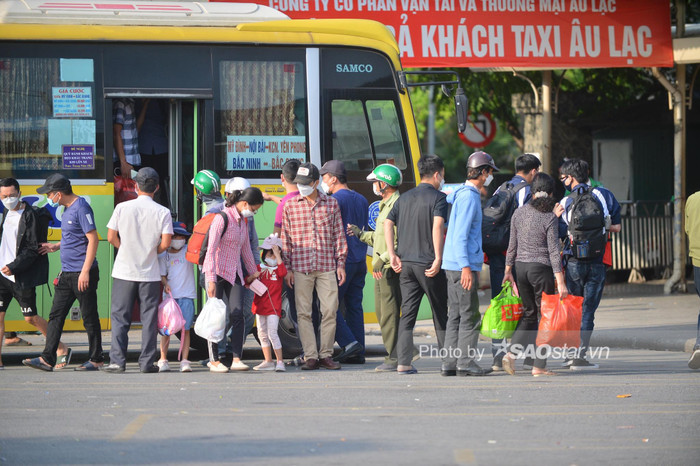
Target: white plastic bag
211	322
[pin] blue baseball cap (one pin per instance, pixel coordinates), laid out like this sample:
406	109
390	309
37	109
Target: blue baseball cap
179	228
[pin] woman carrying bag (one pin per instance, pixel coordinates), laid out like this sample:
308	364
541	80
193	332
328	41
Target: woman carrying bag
534	250
224	272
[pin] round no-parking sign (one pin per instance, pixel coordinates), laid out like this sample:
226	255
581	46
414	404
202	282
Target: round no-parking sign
481	129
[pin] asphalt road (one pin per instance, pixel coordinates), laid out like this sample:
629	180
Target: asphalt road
641	407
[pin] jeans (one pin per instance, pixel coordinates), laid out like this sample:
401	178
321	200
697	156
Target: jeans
232	295
463	318
586	279
66	292
414	284
351	326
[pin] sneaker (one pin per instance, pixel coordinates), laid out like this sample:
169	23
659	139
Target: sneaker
384	367
582	365
113	368
279	367
567	362
239	366
349	351
185	366
527	367
263	366
163	366
150	369
217	367
298	361
694	361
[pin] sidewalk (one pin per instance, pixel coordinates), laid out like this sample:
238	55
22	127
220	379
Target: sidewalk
631	316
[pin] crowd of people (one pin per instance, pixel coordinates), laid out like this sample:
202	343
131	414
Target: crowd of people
426	243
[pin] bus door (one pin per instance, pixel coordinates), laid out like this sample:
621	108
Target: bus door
169	140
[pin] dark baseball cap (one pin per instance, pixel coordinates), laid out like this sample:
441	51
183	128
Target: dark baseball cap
147	178
55	182
334	167
307	174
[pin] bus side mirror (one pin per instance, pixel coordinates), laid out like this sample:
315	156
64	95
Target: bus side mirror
461	109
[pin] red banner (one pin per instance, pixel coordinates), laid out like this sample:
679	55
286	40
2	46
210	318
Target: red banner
512	33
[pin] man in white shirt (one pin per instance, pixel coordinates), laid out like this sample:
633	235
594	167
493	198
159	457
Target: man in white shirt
141	229
22	268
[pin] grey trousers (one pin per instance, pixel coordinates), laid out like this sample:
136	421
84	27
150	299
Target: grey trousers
124	295
463	317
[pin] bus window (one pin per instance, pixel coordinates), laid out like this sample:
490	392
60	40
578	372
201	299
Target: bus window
366	134
49	108
260	117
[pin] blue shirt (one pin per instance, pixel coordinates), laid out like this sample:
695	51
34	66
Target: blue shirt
611	206
463	240
77	220
524	195
354	209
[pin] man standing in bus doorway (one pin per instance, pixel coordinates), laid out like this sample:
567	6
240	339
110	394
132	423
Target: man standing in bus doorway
692	229
354	210
22	268
419	216
585	277
315	250
385	180
79	273
462	263
518	190
141	229
125	136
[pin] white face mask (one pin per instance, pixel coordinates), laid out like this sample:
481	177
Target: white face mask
442	184
177	244
271	261
10	202
489	179
325	188
376	190
247	213
305	190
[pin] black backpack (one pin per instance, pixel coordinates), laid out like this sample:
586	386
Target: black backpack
586	225
495	223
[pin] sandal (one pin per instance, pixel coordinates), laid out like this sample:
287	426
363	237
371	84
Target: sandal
87	366
37	363
508	364
544	373
63	360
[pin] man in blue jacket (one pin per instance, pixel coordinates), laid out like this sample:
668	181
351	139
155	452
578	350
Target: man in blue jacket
462	261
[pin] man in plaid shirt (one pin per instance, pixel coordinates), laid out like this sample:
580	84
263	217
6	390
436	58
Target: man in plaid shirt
314	252
126	136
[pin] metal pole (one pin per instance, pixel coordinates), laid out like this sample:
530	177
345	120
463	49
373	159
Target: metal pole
431	120
547	121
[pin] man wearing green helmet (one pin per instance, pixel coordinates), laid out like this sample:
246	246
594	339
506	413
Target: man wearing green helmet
385	179
208	187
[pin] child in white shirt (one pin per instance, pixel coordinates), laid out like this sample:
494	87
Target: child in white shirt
177	277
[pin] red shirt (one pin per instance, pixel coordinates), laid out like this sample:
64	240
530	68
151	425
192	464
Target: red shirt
313	236
271	302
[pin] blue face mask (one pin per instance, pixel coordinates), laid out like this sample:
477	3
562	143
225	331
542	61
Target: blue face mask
51	202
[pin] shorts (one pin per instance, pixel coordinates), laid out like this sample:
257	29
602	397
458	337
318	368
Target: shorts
187	308
26	298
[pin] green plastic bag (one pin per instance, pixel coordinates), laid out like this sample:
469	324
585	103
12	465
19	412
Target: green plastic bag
503	314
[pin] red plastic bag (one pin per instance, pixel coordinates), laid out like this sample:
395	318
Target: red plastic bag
124	189
560	321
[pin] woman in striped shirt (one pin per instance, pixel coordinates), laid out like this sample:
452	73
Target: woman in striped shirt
223	269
